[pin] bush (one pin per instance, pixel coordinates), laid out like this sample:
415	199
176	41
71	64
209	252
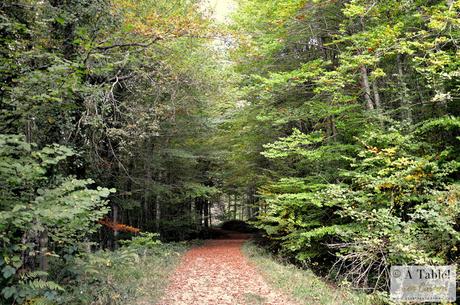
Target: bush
397	203
42	213
137	270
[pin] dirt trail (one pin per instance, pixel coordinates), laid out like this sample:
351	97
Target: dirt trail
217	273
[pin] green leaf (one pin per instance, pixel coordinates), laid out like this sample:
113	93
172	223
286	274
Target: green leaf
8	292
60	20
8	271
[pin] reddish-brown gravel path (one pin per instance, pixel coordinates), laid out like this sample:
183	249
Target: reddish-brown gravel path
217	273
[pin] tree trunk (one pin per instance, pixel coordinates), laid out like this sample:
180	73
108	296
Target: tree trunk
115	221
210	213
206	213
29	130
157	213
192	212
404	92
158	207
43	259
199	213
242	206
366	88
375	88
331	128
146	202
249	204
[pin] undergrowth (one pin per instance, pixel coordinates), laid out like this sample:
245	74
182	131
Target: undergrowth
302	285
136	273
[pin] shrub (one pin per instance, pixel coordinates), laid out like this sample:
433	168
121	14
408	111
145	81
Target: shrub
138	269
42	213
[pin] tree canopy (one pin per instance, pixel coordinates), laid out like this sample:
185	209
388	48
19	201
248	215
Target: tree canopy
332	126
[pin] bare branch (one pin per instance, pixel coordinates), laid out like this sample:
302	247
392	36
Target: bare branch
129	45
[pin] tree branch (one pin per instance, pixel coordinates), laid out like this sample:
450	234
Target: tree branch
129	45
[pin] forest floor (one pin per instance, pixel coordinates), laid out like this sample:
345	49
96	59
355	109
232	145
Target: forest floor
217	273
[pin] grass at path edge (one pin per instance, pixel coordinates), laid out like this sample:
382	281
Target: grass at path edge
128	275
302	285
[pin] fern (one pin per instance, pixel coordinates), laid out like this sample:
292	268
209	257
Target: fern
39	284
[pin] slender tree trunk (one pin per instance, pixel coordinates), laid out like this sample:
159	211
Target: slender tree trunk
242	206
249	204
206	213
331	128
199	212
192	212
210	213
375	88
158	206
221	204
43	259
254	207
29	130
157	213
115	221
146	202
404	92
366	88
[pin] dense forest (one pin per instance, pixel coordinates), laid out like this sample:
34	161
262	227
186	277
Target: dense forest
331	126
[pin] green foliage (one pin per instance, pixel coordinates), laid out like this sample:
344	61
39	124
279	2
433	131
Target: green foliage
396	205
351	124
303	285
37	202
137	271
32	288
144	243
295	144
109	78
403	206
195	190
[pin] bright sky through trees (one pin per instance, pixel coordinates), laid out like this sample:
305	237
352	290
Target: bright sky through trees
221	9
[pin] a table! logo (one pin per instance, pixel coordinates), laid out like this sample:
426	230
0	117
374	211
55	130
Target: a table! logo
423	283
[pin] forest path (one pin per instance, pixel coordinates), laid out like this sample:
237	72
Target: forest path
217	273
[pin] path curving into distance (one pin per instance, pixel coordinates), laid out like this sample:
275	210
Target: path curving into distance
217	273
